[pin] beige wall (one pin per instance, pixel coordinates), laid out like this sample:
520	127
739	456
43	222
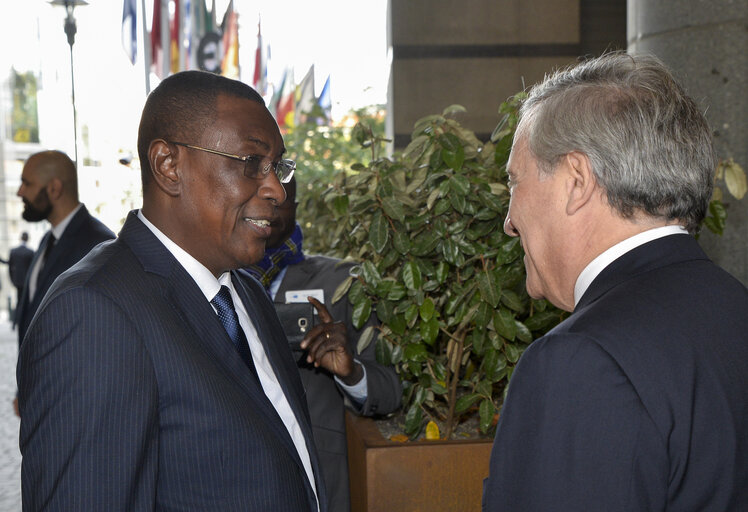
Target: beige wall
475	53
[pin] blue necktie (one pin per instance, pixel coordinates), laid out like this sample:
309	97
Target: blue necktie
227	315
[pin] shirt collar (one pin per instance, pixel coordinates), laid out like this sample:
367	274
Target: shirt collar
61	226
593	269
204	278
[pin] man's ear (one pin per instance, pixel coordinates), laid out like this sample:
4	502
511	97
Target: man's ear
581	184
54	189
163	167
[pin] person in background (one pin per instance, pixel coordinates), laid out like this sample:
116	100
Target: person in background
49	191
334	373
152	377
639	399
18	263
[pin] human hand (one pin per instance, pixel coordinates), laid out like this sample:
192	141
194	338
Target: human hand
327	346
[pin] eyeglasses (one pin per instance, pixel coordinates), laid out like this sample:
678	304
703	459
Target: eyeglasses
253	167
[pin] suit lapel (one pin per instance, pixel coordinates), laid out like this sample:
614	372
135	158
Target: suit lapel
62	246
278	352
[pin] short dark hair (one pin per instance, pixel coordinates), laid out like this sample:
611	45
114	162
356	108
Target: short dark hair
181	107
649	145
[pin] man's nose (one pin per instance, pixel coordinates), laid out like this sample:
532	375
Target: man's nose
509	227
271	188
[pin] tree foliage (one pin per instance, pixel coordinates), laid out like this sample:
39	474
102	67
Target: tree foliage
323	152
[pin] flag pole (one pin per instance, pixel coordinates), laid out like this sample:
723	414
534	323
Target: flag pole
146	50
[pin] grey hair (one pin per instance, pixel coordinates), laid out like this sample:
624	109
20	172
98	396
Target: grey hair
649	146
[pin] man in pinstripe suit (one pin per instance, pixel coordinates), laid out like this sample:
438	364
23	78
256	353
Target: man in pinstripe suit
134	393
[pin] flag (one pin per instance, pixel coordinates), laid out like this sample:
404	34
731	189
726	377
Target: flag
157	55
198	24
277	91
324	101
174	40
259	81
230	63
130	29
305	98
284	110
185	34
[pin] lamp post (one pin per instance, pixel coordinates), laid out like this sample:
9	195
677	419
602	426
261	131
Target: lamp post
70	30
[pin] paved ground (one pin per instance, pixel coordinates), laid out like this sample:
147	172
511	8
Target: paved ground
10	457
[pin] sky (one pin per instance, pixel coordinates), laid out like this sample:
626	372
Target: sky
343	39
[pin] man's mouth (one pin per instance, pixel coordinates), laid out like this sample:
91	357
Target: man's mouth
261	223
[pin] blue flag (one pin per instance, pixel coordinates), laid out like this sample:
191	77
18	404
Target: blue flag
129	29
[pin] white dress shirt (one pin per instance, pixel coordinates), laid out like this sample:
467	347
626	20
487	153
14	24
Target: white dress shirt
210	286
593	269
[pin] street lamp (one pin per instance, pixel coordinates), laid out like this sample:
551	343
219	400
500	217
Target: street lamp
70	30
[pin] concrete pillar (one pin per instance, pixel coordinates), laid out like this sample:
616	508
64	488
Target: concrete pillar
705	43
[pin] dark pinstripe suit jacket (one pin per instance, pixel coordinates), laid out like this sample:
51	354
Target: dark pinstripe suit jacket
80	236
133	398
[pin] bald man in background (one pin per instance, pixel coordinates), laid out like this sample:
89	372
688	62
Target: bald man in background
49	190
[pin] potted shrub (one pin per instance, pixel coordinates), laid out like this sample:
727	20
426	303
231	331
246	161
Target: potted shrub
448	288
437	268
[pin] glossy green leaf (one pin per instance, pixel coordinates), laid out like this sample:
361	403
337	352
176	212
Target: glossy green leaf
401	242
442	270
356	292
413	420
393	208
415	352
511	300
411	314
465	402
385	311
370	274
451	252
365	339
512	352
503	322
379	232
342	289
429	330
541	320
361	313
457	201
490	291
411	275
427	309
523	333
486	412
397	324
397	292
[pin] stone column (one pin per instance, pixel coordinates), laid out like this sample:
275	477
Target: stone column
705	43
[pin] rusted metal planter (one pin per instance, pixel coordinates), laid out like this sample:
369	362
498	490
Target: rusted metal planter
420	476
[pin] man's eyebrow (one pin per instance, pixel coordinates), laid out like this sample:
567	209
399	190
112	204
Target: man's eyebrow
259	142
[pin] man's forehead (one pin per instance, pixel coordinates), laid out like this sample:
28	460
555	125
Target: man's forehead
251	121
